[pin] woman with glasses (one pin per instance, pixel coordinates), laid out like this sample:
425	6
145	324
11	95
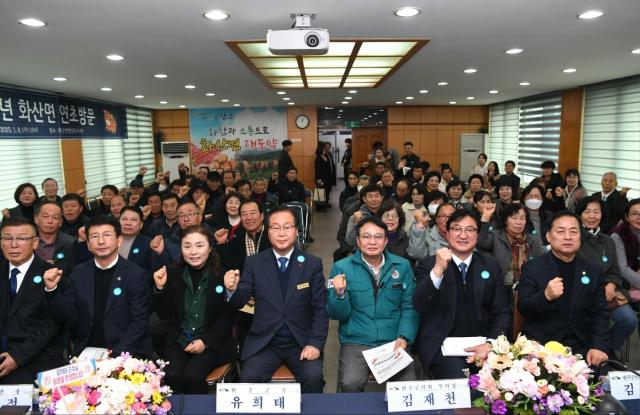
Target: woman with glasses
626	236
393	216
418	195
191	295
25	196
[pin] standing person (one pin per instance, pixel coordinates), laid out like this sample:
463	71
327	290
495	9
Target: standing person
50	189
551	179
284	161
370	295
562	296
190	296
290	323
347	161
481	167
408	161
73	214
614	201
101	206
510	178
325	170
568	197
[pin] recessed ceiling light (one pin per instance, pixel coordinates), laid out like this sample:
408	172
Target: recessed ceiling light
281	93
424	91
470	70
60	78
398	102
409	98
328	108
182	106
163	102
443	83
291	103
471	98
590	14
493	91
216	15
345	102
340	110
407	12
569	70
452	102
636	51
190	86
160	75
375	113
33	22
513	51
353	91
381	110
106	89
139	96
286	99
210	94
224	100
114	57
348	98
236	105
525	83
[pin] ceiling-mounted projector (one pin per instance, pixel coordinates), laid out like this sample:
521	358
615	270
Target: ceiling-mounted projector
301	39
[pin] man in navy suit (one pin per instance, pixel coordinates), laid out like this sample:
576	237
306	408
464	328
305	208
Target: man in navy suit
290	322
108	300
459	293
562	295
30	340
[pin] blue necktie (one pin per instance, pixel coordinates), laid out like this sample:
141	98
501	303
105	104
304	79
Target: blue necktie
283	263
13	284
463	273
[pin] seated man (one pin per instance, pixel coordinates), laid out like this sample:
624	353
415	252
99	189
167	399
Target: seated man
459	293
73	214
614	201
291	190
290	322
32	341
371	297
108	299
55	247
562	295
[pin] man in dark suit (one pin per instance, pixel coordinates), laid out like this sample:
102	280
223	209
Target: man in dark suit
562	295
54	246
30	339
108	299
614	201
284	160
290	322
459	294
291	189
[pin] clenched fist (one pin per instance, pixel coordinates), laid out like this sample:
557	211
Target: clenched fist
52	278
157	245
231	279
340	284
160	277
443	257
555	288
421	219
221	235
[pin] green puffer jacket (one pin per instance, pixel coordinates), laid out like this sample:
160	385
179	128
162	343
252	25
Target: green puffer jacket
370	321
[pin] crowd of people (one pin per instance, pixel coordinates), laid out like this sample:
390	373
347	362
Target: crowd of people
206	269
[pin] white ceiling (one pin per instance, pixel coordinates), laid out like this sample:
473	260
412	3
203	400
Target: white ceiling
172	37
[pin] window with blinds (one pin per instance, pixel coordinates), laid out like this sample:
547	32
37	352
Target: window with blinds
28	160
503	133
138	147
538	134
611	134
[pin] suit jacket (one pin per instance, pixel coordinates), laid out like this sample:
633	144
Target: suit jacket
35	339
613	210
219	318
302	309
588	315
126	314
63	252
438	306
234	252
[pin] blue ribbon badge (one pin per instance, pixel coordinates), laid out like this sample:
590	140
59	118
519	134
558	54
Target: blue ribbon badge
585	278
37	279
485	275
604	258
533	232
490	228
219	289
117	291
136	250
60	255
301	259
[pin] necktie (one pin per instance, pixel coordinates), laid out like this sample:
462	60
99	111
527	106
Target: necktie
463	273
13	283
283	263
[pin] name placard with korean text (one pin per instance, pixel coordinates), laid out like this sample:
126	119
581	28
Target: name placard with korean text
624	385
16	395
258	398
428	395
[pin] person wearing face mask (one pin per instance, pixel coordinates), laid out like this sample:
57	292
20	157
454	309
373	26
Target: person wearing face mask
350	190
538	220
597	246
190	295
424	242
432	201
418	193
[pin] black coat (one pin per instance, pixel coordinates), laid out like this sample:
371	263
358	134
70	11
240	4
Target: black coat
291	192
325	169
234	252
613	210
284	164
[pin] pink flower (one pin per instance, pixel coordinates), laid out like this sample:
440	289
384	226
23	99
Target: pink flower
139	407
166	405
93	398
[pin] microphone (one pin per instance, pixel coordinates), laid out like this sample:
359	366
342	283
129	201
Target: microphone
609	404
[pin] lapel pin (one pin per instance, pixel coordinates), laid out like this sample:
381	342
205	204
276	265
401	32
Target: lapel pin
219	289
604	258
485	275
395	274
136	250
533	232
118	278
301	259
37	279
490	228
585	279
117	291
60	255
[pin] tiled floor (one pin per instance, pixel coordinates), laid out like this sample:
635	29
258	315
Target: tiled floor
324	228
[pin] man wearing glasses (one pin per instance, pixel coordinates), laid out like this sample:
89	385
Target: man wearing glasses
370	294
425	241
106	304
30	339
290	322
459	293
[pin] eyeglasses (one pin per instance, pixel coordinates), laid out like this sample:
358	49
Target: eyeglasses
188	215
285	228
390	216
634	215
458	229
104	235
19	240
367	237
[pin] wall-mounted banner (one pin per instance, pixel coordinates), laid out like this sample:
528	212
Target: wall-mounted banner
33	115
245	139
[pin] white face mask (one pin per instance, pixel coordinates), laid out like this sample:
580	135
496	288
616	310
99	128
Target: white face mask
360	187
432	209
533	203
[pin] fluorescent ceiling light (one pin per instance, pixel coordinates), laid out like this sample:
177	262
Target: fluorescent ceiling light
569	70
60	79
590	14
33	22
452	102
424	91
210	94
353	91
470	70
286	99
525	83
216	15
636	51
471	98
139	96
513	51
340	110
163	102
407	12
182	106
106	89
114	57
160	75
443	83
281	93
224	100
348	98
493	91
189	86
409	98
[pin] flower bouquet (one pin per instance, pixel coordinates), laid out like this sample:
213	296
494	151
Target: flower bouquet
120	385
528	378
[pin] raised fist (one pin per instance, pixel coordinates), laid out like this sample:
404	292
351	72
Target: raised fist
221	235
340	284
555	289
143	170
160	277
443	257
52	278
231	279
157	245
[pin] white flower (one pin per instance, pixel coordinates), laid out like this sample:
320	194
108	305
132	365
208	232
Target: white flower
518	381
508	396
552	388
542	382
581	400
501	345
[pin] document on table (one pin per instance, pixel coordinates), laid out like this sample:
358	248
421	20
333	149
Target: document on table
454	346
384	361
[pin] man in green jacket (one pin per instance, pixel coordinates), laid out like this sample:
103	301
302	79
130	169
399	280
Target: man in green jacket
370	293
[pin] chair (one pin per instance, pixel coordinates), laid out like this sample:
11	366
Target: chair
223	374
283	375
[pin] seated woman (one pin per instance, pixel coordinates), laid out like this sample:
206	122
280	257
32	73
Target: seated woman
484	207
455	191
626	236
432	181
568	197
476	182
230	219
25	196
599	247
393	216
191	296
492	178
418	193
537	223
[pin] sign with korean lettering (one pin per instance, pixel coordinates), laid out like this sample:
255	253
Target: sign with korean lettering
34	115
428	395
245	139
16	395
258	398
74	373
624	385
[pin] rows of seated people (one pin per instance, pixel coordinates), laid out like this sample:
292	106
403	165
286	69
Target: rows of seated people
206	270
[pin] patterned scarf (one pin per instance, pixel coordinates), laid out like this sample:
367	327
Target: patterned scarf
519	255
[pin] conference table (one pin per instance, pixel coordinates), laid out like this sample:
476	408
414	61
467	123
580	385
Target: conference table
367	403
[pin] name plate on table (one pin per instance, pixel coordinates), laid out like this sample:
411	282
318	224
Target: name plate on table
428	395
16	395
258	398
624	385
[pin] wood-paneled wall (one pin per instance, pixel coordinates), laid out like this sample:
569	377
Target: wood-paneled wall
72	165
570	130
434	130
